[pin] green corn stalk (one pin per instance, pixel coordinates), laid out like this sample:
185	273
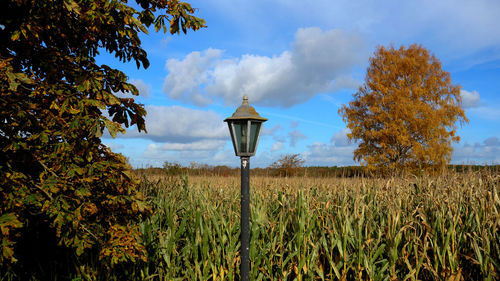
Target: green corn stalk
370	229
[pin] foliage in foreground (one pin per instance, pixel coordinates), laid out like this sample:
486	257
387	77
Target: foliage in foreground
63	194
427	228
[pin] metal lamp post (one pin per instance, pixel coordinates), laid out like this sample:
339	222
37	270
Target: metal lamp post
244	127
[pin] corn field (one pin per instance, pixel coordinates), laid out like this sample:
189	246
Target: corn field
418	228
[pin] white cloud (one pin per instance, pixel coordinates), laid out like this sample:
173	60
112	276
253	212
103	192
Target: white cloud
277	146
490	112
487	152
185	77
492	141
319	61
295	136
339	152
297	119
156	155
115	146
175	124
340	138
192	146
144	88
450	27
270	131
166	41
322	154
181	135
279	138
469	99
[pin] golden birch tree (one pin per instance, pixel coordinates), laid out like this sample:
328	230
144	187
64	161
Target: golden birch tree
405	114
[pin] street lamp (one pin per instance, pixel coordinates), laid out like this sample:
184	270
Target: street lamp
244	127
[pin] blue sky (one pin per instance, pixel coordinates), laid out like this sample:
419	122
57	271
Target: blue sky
299	61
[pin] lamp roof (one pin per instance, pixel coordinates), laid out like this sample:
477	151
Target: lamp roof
245	111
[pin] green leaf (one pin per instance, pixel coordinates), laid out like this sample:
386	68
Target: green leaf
9	220
15	35
82	192
113	127
54	95
72	6
44	137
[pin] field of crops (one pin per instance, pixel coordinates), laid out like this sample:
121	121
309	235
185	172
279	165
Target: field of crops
428	228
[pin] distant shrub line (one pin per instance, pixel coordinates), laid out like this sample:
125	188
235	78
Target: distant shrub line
314	171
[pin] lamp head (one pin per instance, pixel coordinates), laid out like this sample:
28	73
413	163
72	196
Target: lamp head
244	127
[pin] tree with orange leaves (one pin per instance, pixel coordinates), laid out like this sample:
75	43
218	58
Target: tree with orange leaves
405	115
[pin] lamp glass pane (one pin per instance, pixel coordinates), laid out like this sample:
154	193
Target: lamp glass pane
233	137
254	135
240	130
